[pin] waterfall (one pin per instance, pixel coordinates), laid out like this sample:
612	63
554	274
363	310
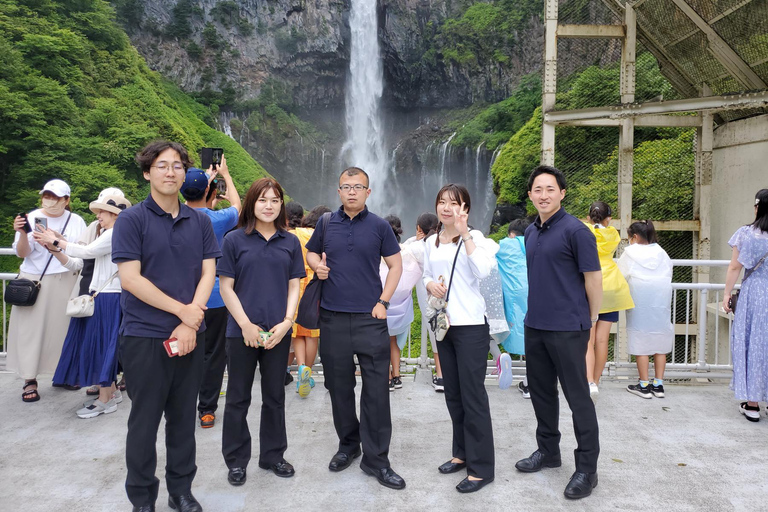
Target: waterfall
364	146
226	117
445	148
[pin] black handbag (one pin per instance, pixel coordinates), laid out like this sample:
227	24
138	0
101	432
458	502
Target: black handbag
308	315
22	291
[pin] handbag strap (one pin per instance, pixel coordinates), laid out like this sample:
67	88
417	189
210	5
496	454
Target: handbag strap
105	284
453	267
748	272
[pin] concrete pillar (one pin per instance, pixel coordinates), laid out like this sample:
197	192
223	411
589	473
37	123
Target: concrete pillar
703	191
549	90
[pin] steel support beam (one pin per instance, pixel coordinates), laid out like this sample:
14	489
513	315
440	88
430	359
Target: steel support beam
591	31
651	121
708	103
549	91
720	49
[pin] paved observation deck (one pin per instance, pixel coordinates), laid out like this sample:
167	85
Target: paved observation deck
691	451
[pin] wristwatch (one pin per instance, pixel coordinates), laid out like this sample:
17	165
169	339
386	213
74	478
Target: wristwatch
383	303
56	242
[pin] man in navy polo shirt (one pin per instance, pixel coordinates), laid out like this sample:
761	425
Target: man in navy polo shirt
199	190
353	321
166	255
564	295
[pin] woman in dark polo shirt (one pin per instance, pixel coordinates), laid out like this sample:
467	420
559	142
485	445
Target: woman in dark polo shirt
259	273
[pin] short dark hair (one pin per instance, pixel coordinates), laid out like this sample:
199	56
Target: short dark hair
354	171
310	220
295	213
518	227
761	216
395	224
547	169
599	211
259	187
644	229
428	223
147	156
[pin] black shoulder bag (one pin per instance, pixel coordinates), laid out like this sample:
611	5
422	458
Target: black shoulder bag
22	291
308	315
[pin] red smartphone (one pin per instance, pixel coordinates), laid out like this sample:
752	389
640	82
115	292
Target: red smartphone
172	347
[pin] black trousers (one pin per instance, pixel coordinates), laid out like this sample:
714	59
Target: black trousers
236	436
215	360
464	359
160	385
342	336
553	355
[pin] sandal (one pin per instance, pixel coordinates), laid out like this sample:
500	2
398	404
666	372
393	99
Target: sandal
121	385
92	391
32	395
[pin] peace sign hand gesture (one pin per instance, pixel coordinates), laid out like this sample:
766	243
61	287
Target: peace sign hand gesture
461	216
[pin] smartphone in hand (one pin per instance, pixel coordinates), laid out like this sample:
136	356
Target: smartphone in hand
41	223
27	227
171	347
211	157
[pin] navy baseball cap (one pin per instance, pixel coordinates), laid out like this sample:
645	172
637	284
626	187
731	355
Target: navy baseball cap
195	182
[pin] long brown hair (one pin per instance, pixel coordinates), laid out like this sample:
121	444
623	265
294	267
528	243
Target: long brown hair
259	187
458	193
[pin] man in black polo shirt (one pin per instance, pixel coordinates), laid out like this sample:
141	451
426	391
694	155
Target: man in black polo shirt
166	254
565	291
353	321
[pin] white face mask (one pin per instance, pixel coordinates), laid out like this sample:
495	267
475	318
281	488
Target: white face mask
54	207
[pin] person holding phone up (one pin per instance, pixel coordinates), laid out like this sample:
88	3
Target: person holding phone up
259	273
36	333
166	254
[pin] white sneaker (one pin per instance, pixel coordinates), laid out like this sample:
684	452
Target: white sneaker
593	391
97	408
117	397
750	413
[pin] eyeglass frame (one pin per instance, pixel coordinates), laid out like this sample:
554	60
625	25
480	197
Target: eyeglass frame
357	187
173	166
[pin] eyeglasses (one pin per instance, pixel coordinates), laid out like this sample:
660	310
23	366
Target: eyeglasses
112	202
275	201
163	167
347	188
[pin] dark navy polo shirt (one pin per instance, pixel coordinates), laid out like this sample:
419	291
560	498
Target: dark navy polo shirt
354	248
261	269
557	253
171	252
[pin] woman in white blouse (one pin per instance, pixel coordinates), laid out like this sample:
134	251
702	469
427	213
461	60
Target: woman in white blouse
464	350
89	355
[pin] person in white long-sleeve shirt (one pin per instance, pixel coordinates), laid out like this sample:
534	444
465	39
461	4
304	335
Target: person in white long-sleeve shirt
89	355
464	349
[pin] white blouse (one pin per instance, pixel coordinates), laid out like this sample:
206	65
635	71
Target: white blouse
100	250
35	262
466	305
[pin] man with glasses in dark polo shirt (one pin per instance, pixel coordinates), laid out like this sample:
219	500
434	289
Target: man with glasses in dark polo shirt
565	291
166	255
353	321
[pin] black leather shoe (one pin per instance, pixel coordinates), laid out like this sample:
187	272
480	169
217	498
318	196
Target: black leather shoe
468	485
536	461
282	469
184	503
341	460
385	476
144	508
581	485
451	467
236	476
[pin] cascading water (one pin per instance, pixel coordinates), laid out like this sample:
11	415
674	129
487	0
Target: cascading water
364	146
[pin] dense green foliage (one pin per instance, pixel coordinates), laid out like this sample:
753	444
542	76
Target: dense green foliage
78	102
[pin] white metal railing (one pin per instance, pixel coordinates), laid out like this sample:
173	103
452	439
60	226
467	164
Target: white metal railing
702	338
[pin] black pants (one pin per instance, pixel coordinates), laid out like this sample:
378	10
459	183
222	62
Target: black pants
551	355
342	336
464	359
215	360
236	436
159	385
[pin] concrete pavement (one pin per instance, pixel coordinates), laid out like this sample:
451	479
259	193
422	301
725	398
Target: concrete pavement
691	451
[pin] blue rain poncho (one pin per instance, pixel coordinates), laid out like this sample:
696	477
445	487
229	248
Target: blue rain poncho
514	283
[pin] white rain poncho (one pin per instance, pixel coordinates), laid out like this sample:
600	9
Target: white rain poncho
648	270
400	312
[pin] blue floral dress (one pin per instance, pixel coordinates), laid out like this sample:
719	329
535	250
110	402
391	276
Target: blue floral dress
749	336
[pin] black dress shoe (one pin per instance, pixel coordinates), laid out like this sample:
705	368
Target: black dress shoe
451	467
468	485
282	469
581	485
341	460
385	476
144	508
236	476
184	503
536	461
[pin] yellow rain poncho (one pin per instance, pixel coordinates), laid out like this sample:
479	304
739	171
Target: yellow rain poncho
616	296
